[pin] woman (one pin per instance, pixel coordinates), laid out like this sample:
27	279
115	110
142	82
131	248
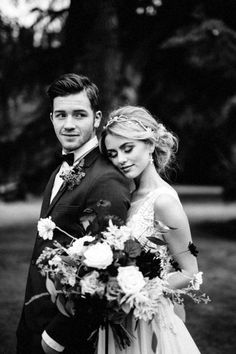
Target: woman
142	149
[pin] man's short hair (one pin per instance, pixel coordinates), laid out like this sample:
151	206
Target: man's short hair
71	83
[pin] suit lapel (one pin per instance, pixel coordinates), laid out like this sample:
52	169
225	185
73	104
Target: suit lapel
57	197
91	157
47	206
47	193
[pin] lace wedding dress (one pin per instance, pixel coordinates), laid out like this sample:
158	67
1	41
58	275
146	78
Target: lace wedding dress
171	335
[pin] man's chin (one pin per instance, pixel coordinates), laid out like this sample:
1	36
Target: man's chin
71	147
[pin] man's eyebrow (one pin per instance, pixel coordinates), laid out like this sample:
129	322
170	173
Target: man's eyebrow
79	110
74	110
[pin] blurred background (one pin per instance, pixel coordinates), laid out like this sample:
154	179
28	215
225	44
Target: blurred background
175	57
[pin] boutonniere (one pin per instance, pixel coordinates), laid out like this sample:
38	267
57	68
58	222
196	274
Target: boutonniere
74	176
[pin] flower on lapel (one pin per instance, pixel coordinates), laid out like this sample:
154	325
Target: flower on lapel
73	177
46	227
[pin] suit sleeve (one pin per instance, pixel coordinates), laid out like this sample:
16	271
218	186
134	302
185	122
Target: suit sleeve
114	188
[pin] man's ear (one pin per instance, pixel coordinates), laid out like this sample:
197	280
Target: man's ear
97	119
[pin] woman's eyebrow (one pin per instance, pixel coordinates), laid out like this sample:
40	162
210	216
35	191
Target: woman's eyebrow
121	146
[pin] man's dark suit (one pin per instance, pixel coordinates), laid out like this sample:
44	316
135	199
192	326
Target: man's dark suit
102	181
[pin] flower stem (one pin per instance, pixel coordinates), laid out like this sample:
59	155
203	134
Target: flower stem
66	233
36	297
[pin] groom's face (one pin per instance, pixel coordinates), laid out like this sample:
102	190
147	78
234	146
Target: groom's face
73	120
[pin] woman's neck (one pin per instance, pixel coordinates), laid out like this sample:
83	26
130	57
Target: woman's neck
148	180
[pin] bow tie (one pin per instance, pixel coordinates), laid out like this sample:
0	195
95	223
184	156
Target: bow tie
69	158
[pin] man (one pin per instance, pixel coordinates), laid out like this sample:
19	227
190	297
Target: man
75	117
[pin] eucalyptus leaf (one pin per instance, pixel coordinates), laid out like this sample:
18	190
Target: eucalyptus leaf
156	241
154	342
70	307
51	289
69	261
61	307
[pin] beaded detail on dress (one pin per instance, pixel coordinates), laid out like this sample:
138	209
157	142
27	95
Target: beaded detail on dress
141	218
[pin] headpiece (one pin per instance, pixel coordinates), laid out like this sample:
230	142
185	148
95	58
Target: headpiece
123	118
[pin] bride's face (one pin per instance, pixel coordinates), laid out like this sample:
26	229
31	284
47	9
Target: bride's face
129	155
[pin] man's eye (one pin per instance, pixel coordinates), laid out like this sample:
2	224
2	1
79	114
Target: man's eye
60	115
79	115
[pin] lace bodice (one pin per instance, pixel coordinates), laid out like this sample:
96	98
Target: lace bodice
141	218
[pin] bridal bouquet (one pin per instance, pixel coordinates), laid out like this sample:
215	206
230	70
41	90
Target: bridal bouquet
110	271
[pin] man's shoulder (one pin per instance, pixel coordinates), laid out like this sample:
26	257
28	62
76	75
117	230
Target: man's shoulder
103	164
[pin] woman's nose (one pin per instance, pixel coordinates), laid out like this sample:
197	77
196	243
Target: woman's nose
121	158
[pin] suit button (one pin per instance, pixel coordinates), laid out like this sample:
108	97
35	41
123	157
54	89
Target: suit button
33	261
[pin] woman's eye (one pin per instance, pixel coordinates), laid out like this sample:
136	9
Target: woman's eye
111	155
128	149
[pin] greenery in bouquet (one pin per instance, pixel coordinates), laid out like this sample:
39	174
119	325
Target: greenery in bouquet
108	271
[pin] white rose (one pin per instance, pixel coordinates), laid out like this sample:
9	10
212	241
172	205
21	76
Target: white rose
130	279
197	281
91	285
78	247
98	256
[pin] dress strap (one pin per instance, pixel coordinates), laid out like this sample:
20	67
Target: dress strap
164	190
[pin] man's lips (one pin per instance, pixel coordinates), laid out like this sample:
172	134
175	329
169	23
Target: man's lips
70	135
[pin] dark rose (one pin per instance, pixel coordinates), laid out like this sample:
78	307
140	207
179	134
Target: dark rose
113	289
132	248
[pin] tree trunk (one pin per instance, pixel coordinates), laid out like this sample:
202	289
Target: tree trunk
91	45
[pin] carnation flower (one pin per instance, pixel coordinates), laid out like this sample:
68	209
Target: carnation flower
116	236
145	308
55	261
130	279
197	281
98	256
91	285
78	247
46	227
66	273
145	302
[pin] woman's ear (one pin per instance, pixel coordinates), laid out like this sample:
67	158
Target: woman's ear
151	147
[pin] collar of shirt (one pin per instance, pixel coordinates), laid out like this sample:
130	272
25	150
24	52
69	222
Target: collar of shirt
81	152
84	149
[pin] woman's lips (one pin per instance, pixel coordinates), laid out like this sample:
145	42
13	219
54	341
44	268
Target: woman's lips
126	169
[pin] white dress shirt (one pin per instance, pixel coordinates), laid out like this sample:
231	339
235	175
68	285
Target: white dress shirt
80	153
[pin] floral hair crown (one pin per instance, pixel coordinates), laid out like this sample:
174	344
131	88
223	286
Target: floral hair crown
123	118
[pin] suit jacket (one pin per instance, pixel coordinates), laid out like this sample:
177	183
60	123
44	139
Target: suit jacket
102	181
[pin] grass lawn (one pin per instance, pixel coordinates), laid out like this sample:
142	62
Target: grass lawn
212	326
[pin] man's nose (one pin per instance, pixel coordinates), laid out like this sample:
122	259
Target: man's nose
69	122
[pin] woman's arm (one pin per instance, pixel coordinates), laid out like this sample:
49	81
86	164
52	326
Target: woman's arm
169	211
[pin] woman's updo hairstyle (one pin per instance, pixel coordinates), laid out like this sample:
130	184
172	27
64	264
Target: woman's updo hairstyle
137	123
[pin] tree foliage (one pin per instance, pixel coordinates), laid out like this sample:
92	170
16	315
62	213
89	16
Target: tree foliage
176	57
